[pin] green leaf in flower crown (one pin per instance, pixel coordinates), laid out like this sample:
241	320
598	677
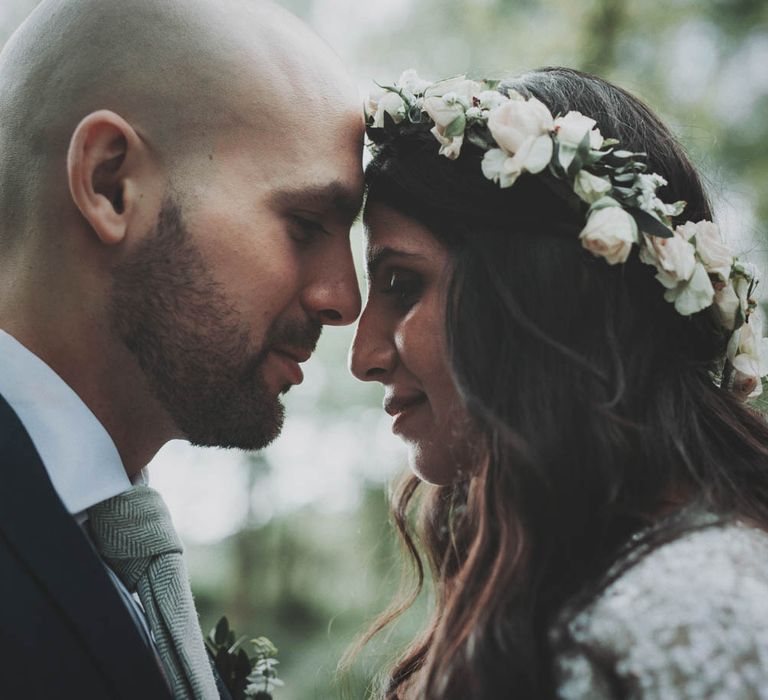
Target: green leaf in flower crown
456	127
221	631
676	208
623	191
491	84
555	167
650	224
603	203
580	157
628	154
595	157
610	142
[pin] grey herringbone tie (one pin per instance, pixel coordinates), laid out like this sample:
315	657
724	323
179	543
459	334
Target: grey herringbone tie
135	535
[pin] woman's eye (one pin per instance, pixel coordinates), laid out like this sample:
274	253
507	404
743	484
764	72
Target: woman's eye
304	230
404	287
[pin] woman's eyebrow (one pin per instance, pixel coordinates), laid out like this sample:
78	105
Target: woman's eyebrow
375	255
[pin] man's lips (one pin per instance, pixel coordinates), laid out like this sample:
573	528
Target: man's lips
290	359
296	354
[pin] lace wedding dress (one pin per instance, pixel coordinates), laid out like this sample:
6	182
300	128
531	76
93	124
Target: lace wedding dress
687	621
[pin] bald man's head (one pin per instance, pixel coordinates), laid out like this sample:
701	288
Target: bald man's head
177	183
179	71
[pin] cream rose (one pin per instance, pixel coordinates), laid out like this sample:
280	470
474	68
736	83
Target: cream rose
590	188
442	113
447	101
571	130
610	233
490	99
386	102
516	124
462	88
727	305
522	130
748	352
450	147
674	258
692	295
499	166
715	255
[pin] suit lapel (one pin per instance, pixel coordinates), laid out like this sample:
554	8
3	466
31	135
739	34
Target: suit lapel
56	552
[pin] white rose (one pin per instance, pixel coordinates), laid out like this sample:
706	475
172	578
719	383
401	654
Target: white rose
441	112
499	166
449	147
610	233
410	82
590	188
746	376
474	113
522	130
709	245
727	304
571	130
748	352
460	86
516	124
692	295
490	99
391	103
750	339
674	258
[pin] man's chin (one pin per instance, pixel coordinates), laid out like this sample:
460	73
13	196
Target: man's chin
253	433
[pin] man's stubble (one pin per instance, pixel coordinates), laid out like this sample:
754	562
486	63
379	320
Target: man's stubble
192	345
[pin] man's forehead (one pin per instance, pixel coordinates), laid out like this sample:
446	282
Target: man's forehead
341	198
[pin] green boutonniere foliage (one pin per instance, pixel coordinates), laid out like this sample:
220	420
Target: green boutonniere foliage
246	676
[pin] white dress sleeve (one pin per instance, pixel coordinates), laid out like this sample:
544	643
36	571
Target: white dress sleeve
688	622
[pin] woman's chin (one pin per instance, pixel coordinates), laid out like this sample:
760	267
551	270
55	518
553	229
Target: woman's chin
435	469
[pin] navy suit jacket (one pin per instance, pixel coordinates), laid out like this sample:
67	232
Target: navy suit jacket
64	629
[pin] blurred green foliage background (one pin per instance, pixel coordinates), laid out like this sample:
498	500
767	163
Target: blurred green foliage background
294	543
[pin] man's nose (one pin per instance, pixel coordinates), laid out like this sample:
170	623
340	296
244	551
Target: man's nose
334	298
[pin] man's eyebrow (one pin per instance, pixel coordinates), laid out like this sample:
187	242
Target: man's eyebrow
333	196
376	255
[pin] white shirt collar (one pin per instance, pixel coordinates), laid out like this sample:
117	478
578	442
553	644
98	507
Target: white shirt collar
78	453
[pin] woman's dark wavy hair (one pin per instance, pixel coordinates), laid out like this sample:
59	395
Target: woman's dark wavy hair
593	399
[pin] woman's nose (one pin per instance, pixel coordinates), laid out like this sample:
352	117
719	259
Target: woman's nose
372	355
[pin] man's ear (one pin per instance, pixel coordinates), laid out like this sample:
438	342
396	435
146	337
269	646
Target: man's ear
102	167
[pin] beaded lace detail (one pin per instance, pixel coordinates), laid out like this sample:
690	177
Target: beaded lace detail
687	622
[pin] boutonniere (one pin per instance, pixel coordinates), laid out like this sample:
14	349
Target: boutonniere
247	676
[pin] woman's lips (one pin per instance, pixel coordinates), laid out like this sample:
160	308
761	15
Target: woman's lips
401	408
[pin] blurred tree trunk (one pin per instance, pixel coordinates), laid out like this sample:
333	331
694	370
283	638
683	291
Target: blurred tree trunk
246	551
601	35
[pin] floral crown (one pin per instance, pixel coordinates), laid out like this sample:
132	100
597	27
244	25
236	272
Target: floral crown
520	135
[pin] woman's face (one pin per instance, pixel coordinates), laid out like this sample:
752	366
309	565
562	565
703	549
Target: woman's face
400	342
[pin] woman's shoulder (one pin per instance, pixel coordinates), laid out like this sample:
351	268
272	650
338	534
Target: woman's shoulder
688	620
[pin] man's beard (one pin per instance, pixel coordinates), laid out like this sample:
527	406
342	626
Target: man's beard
191	343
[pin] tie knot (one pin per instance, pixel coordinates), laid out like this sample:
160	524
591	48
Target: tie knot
131	529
